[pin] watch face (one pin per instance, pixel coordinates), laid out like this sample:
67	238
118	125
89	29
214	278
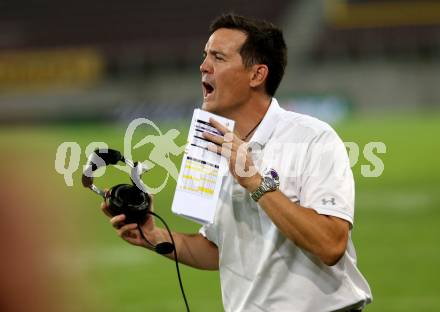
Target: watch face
270	183
271	178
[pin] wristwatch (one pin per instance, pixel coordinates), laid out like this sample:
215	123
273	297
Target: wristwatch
269	183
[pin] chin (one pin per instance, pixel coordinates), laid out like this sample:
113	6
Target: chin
209	106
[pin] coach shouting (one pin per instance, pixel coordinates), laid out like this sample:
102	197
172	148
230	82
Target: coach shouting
281	238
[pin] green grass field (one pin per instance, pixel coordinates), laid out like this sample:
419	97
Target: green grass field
397	223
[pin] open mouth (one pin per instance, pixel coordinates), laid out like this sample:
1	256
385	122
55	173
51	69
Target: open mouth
208	89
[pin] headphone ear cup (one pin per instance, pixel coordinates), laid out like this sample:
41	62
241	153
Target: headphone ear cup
115	204
129	200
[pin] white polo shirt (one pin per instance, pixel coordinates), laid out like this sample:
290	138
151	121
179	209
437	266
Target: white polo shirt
262	270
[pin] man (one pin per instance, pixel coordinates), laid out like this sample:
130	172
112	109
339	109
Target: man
281	238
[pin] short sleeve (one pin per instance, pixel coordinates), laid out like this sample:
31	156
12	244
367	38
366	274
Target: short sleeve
209	231
327	183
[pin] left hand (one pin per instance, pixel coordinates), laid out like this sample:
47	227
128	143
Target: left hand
235	150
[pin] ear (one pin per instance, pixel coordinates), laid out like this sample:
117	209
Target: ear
259	74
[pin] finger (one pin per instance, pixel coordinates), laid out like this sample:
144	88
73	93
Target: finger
117	221
126	230
130	234
220	127
224	150
214	148
104	208
229	139
217	139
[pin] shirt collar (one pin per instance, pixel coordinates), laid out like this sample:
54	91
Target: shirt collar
268	123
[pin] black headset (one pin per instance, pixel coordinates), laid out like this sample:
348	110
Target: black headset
130	200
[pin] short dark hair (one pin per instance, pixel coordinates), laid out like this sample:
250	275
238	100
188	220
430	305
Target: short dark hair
264	45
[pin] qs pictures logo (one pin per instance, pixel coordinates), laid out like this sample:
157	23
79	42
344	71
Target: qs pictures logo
68	154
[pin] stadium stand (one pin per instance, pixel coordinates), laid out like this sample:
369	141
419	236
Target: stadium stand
118	60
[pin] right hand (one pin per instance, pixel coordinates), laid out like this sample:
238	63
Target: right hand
130	232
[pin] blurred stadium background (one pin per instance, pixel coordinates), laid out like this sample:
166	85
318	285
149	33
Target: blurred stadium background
81	71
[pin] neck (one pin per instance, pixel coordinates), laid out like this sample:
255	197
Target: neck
249	116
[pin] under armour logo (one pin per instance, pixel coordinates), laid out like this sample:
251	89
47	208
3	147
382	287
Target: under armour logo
327	201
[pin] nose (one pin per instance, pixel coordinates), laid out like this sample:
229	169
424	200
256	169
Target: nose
205	67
